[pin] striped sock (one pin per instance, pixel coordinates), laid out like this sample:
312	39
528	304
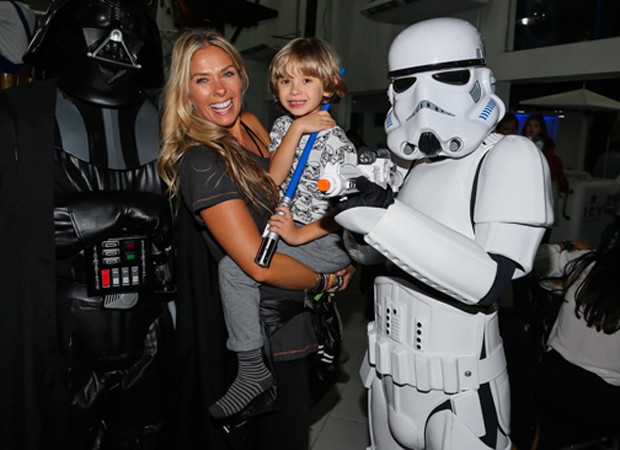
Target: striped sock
253	378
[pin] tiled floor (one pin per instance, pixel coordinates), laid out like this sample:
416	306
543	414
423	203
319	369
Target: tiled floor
340	420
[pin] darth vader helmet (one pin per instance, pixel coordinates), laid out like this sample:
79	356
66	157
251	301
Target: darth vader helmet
441	92
102	51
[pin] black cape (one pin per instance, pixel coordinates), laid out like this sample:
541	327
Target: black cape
33	400
203	365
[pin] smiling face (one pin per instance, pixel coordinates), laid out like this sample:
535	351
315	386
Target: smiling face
300	94
215	88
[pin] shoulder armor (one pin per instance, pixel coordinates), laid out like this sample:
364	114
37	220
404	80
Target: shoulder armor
113	138
514	185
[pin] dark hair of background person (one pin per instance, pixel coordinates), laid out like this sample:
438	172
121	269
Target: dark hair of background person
597	296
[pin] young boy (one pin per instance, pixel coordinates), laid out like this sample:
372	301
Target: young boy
304	75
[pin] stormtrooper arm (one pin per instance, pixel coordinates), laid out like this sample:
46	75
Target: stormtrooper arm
426	249
509	220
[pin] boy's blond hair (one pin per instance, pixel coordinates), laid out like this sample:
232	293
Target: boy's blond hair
313	57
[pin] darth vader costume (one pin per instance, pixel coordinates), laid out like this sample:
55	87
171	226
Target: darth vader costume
85	327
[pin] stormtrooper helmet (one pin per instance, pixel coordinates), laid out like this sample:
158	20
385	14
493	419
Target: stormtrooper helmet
102	51
441	92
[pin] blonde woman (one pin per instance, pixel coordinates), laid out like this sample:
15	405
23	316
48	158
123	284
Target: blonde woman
215	158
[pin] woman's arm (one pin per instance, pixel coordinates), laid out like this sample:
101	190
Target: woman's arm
232	226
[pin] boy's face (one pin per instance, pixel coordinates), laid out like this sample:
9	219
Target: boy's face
300	94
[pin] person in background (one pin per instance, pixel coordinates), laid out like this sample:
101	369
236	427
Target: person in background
579	385
214	158
17	26
535	128
508	125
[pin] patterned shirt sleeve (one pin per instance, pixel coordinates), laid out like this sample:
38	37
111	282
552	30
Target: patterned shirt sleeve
278	130
330	146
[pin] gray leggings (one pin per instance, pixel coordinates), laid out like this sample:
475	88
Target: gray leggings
241	297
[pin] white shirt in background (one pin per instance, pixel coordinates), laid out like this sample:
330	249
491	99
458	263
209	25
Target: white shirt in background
570	336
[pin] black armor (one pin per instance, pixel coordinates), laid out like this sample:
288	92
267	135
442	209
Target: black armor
112	224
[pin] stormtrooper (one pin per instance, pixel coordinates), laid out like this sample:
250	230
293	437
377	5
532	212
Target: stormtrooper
89	135
467	219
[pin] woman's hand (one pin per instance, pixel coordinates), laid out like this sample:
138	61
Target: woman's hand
282	223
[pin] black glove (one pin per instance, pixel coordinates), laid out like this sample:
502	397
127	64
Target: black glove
370	194
90	217
146	213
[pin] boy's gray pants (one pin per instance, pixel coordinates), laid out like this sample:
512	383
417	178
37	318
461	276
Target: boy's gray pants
241	296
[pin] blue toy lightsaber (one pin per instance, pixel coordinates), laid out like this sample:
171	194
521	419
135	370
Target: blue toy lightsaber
270	238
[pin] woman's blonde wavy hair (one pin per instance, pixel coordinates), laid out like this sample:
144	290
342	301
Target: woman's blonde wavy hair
182	127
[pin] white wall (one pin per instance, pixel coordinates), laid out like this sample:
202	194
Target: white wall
363	44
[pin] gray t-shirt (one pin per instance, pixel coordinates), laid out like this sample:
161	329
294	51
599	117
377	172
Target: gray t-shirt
205	182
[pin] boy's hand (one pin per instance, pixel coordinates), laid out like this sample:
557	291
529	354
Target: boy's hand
282	223
315	121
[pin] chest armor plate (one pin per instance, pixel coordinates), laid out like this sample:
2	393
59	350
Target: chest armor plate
443	190
117	139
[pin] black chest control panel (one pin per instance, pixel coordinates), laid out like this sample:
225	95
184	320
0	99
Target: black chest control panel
119	265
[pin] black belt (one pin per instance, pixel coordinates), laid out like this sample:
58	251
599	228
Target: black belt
123	300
